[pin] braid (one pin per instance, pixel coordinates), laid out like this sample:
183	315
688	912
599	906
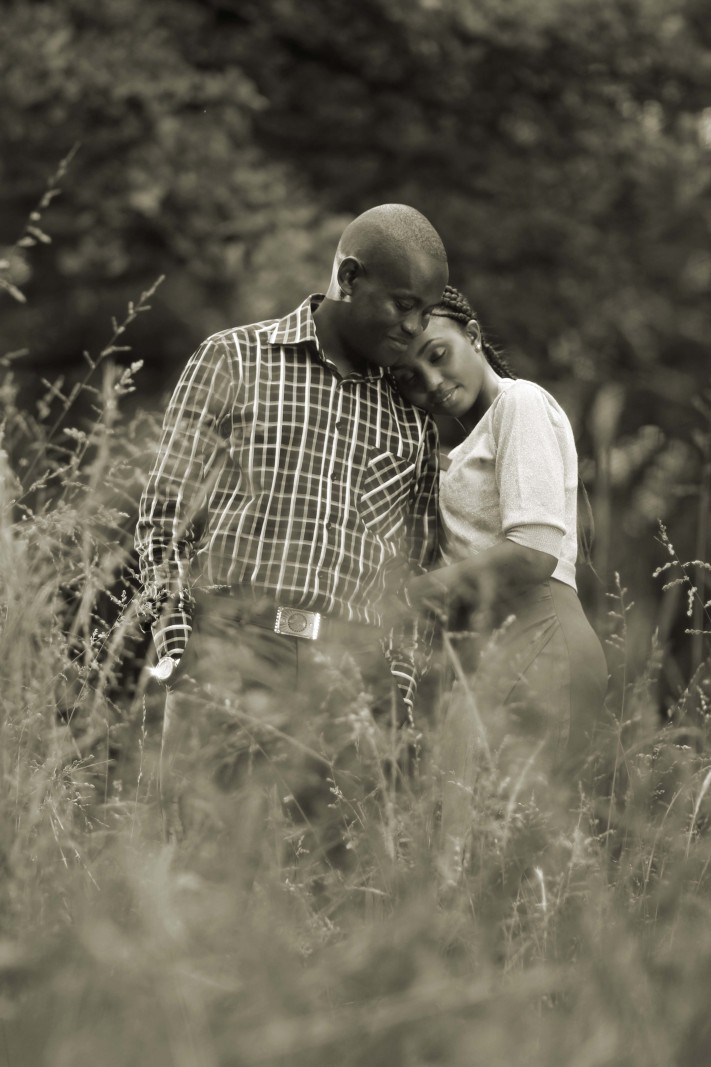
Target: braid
496	360
454	305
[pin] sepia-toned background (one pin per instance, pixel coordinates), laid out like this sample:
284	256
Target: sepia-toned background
318	912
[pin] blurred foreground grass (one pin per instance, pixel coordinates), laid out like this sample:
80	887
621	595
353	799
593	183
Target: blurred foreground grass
309	920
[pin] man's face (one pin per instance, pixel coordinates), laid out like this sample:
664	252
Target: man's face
390	304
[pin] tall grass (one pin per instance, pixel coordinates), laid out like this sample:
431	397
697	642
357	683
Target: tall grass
318	916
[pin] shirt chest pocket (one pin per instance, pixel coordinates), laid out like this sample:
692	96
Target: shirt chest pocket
385	492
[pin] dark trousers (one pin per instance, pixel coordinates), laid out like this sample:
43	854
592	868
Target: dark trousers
248	703
230	653
529	698
543	675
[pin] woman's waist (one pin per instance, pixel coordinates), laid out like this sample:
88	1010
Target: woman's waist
528	606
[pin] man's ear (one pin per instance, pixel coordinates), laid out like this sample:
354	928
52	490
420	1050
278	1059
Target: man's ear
350	270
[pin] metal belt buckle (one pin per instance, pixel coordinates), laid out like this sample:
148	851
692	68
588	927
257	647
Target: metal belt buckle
295	622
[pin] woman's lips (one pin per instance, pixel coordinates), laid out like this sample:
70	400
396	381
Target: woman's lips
444	399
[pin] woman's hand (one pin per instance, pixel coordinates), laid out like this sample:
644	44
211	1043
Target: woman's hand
482	580
427	591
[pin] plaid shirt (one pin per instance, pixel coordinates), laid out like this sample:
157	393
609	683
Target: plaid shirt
279	476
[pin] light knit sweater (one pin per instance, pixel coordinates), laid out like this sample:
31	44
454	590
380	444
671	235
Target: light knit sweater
515	477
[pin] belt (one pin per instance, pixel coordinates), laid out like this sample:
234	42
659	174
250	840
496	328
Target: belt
291	622
295	623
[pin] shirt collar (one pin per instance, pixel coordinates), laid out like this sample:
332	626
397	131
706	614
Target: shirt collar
299	327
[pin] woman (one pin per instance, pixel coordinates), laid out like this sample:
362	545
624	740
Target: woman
508	501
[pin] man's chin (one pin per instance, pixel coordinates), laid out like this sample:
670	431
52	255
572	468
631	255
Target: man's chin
384	359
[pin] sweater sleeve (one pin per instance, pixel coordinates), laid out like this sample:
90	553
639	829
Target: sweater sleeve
530	469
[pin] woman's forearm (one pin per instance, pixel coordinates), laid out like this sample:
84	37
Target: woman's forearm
503	569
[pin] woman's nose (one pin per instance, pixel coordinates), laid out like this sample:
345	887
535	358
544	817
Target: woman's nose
431	378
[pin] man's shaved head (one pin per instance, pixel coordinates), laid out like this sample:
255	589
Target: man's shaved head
389	271
390	229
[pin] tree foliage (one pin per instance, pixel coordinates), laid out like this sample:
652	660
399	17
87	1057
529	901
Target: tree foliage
168	177
562	150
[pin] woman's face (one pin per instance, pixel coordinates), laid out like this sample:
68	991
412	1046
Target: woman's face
443	370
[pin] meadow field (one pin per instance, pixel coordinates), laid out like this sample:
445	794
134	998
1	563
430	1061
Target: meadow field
314	915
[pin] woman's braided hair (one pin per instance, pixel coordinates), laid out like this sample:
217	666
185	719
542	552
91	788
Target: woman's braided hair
454	305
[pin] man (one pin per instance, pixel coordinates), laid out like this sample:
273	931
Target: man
294	489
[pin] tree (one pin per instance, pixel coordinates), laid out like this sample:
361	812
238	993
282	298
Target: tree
167	179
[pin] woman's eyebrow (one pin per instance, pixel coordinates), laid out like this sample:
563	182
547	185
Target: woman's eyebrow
428	344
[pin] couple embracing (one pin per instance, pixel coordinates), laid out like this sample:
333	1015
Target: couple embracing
297	505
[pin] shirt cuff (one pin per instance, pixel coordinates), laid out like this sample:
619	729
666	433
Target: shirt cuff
408	660
405	677
171	634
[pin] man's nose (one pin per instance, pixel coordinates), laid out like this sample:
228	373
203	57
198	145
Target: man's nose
414	323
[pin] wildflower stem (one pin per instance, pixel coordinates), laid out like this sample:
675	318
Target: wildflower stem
701	547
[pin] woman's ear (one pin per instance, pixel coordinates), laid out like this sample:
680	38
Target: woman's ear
474	333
